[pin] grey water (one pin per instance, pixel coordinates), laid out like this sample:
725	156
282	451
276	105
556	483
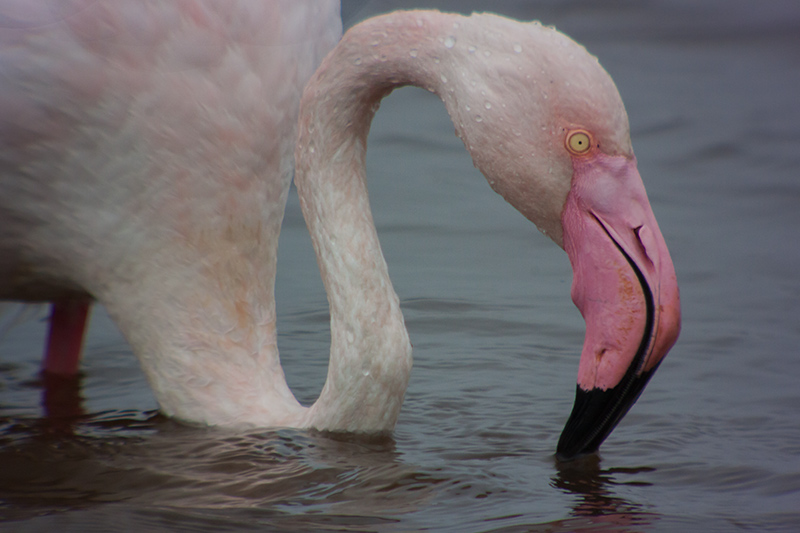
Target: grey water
713	444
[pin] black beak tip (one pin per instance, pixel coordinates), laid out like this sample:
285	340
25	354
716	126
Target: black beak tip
595	414
582	433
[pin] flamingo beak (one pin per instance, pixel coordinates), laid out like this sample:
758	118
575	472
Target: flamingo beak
625	287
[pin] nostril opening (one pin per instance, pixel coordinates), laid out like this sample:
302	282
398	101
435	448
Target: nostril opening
642	248
600	353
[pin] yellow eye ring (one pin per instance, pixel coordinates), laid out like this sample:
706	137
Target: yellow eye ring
578	142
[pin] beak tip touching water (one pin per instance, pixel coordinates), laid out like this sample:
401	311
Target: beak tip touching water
595	414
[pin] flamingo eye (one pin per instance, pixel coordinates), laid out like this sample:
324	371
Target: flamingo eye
578	142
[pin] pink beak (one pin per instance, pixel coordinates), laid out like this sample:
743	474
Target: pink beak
625	287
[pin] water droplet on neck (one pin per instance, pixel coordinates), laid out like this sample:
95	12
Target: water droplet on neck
517	48
471	49
357	61
444	78
478	118
487	105
413	52
449	41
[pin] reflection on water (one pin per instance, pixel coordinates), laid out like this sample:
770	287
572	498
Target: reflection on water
148	460
594	497
154	468
62	402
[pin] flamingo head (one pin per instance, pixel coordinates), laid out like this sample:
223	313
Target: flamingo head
547	127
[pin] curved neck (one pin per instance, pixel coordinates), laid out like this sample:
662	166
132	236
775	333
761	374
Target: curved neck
370	352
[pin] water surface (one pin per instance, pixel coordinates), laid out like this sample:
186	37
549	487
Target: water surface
712	445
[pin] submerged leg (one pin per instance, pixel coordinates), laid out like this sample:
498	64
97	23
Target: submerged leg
67	327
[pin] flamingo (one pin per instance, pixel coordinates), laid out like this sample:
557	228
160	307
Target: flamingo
146	157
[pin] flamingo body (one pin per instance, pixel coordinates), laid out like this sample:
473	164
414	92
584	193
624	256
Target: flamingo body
148	157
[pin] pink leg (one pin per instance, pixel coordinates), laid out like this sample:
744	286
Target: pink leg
67	326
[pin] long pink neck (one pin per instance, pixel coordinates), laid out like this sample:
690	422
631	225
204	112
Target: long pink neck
370	352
